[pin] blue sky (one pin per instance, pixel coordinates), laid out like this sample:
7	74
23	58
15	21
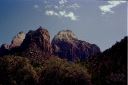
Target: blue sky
95	21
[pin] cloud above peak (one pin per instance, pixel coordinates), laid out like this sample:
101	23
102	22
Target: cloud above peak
63	13
62	8
111	4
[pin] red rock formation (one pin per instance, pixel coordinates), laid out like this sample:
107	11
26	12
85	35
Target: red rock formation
66	45
6	49
36	44
17	40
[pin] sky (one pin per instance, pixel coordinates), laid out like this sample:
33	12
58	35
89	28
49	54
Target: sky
99	22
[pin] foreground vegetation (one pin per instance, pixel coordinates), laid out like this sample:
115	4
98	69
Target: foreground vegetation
16	70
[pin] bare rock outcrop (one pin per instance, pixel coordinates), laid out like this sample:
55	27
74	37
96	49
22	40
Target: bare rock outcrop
36	44
66	45
17	40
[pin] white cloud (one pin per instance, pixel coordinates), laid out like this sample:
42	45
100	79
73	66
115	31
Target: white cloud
65	14
51	13
74	6
111	4
61	2
62	8
64	5
70	15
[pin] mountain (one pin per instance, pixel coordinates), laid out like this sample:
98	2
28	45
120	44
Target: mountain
36	44
66	45
16	42
110	67
4	49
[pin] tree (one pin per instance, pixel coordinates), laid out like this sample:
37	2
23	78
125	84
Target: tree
16	70
60	72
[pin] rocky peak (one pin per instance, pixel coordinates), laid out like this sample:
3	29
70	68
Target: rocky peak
37	44
65	35
66	45
5	46
17	40
4	49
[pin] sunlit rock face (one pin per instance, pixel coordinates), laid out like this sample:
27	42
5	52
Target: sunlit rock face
6	49
66	45
36	44
17	40
65	35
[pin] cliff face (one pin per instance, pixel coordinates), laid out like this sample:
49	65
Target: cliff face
37	44
16	42
66	45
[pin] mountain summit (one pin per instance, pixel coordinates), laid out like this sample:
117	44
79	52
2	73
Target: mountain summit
65	35
36	44
17	40
66	45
